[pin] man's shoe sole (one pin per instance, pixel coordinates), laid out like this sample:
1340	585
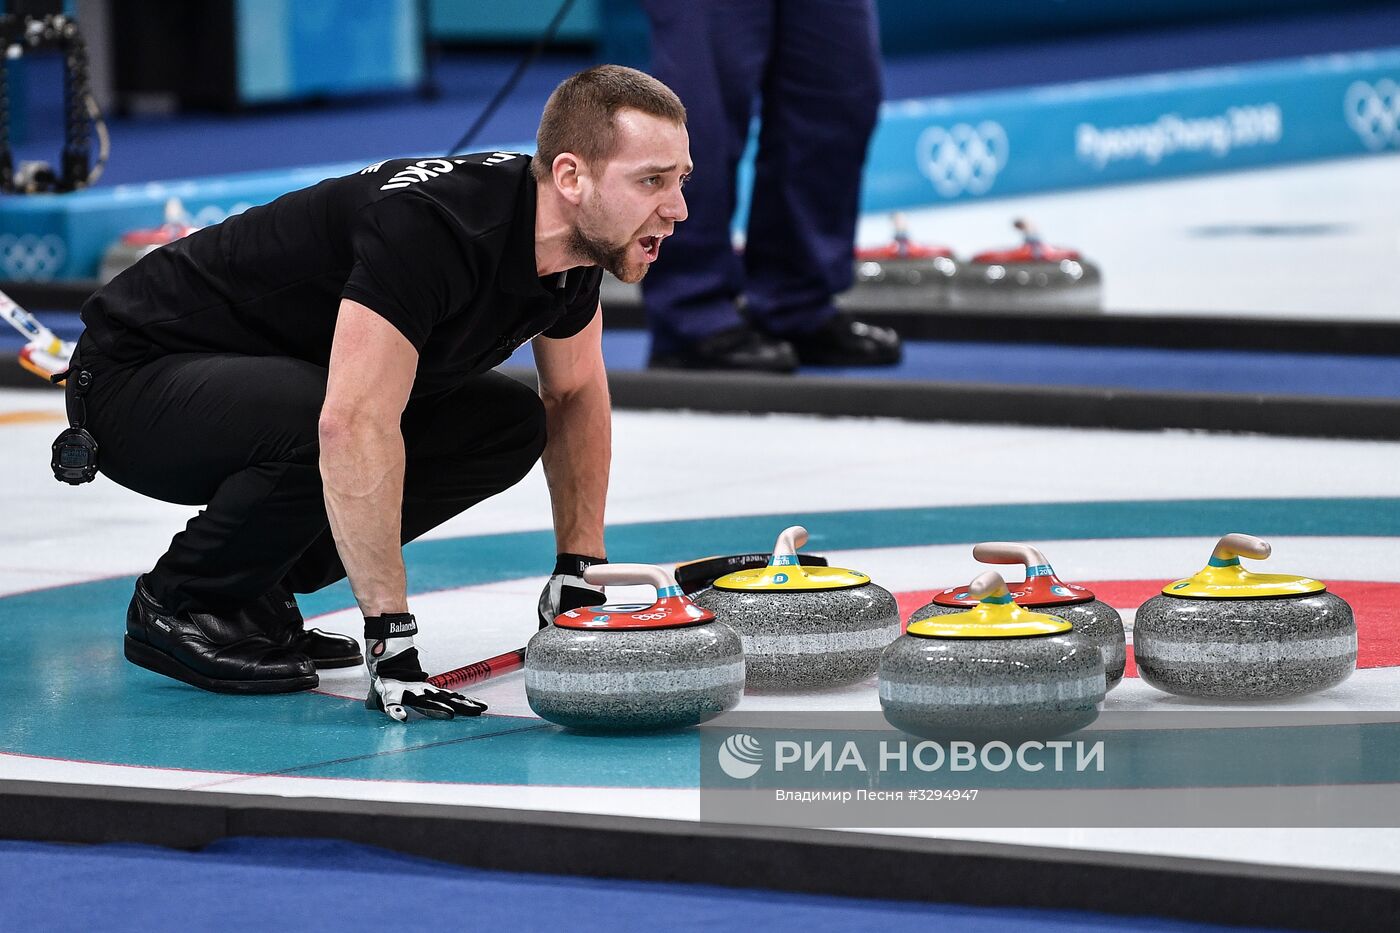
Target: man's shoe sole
330	664
152	659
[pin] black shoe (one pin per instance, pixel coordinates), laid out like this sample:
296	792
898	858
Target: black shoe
279	617
737	349
214	652
844	342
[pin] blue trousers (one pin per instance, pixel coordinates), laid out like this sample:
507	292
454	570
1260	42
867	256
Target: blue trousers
813	69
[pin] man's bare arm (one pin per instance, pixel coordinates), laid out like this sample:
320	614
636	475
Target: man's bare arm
578	416
362	453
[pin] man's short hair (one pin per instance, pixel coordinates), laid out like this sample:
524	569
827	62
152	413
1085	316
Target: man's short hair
580	116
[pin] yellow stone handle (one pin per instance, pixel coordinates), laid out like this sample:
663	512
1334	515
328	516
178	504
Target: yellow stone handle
1241	545
1008	552
989	584
789	541
630	575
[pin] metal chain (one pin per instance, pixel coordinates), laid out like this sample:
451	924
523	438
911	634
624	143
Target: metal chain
77	142
75	161
7	166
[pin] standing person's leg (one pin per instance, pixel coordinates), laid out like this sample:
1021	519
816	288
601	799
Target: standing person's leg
238	434
461	446
821	99
712	53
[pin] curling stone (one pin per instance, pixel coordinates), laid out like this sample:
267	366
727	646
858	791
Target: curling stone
1044	592
1230	633
625	668
131	246
995	669
902	269
1032	275
804	627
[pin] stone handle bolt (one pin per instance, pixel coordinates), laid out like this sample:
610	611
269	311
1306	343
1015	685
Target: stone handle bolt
1238	545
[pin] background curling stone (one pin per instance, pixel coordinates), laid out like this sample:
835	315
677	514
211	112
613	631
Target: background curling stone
623	668
1043	592
1232	634
804	627
1031	275
901	273
123	252
993	670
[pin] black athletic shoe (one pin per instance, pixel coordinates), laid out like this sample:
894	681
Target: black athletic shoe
739	349
278	615
842	341
218	653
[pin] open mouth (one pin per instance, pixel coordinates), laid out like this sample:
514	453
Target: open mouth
651	246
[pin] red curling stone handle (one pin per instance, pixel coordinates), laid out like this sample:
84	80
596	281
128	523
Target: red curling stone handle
480	671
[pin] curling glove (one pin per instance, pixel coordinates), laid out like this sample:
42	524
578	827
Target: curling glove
397	681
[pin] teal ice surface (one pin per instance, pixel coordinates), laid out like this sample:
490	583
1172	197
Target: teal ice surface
535	753
82	701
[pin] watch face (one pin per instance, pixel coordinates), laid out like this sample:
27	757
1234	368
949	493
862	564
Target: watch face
71	455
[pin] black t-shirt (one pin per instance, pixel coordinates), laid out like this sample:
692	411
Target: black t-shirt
443	249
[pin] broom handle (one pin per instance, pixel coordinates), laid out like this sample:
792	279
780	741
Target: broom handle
24	322
480	671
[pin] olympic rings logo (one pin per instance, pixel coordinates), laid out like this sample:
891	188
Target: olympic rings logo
32	257
963	158
1373	111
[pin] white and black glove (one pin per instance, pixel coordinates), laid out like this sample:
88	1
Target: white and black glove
567	589
397	681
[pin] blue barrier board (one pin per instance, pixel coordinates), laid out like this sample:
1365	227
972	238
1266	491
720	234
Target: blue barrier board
925	152
1132	129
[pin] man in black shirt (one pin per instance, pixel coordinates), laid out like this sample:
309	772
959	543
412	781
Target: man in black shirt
317	372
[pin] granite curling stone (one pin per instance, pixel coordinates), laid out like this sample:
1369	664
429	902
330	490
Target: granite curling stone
1044	592
643	666
902	273
993	670
804	627
131	246
1229	633
1032	275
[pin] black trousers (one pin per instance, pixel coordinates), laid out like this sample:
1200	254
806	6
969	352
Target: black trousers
238	435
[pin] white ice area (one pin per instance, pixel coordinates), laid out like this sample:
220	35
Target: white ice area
1318	241
691	465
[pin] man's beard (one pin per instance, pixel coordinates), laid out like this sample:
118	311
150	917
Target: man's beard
610	256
